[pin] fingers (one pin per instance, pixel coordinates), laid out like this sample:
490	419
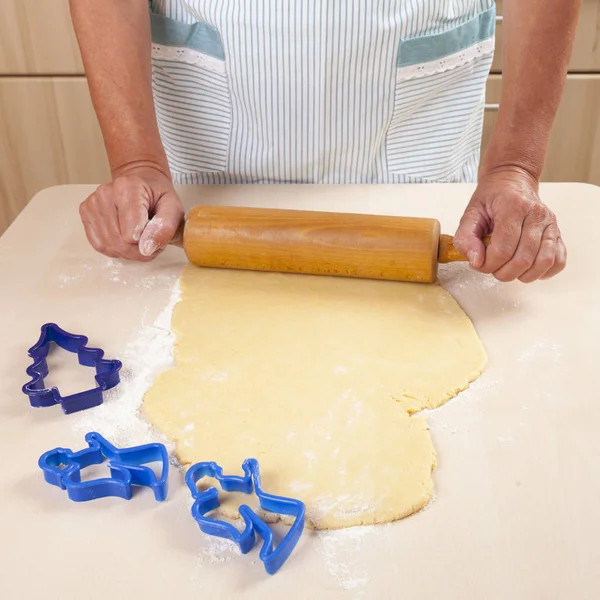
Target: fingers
100	218
505	241
539	254
526	241
132	199
560	260
468	239
162	227
545	258
526	251
116	216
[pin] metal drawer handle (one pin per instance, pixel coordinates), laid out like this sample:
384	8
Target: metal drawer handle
491	107
499	19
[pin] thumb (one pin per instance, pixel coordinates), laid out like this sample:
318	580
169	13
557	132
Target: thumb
469	235
160	230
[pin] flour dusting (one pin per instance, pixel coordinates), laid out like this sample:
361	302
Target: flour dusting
82	270
341	553
149	353
542	351
472	393
215	550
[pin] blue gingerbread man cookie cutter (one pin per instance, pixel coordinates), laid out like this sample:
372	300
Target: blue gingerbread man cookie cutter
107	371
208	500
62	468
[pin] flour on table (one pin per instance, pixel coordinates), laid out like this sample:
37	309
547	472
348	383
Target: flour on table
216	550
148	353
341	552
542	351
82	270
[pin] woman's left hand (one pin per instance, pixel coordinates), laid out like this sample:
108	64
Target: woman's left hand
526	241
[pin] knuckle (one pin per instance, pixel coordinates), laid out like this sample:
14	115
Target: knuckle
122	246
95	201
126	250
90	199
560	266
101	246
102	190
122	183
538	212
552	233
547	261
522	263
527	278
127	182
526	207
548	256
504	253
504	277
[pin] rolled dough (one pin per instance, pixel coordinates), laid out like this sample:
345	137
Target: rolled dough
317	378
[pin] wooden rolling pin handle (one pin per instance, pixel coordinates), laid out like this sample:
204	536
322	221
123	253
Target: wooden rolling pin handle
178	237
448	253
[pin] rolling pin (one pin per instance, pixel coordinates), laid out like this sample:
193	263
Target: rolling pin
317	243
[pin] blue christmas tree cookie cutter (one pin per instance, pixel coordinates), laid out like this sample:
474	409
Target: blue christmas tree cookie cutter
208	500
62	468
107	371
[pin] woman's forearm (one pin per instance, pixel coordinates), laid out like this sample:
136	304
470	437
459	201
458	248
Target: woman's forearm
537	42
115	43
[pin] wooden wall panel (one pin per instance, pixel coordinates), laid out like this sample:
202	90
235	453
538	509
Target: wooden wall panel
49	135
586	51
574	149
36	37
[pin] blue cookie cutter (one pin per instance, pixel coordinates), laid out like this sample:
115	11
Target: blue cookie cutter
62	468
107	371
208	500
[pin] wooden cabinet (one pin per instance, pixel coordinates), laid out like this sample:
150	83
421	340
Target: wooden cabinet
586	50
48	135
574	148
36	37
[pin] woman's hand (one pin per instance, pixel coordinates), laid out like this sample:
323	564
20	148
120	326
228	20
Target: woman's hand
134	217
526	242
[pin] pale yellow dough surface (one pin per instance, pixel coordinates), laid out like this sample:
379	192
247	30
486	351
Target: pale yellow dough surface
315	377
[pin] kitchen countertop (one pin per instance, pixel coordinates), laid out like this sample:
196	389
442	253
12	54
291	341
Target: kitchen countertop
517	483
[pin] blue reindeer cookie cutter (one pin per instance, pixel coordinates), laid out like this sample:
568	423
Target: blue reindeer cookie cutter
208	500
107	371
62	468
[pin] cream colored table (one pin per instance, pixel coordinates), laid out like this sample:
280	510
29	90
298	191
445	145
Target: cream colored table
516	513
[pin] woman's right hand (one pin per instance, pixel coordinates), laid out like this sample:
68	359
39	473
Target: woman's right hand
134	217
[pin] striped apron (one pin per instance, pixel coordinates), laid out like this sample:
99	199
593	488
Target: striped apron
321	91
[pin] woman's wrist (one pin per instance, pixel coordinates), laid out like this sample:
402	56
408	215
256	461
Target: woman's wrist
514	148
146	165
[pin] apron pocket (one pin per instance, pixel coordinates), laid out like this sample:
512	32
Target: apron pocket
191	95
436	127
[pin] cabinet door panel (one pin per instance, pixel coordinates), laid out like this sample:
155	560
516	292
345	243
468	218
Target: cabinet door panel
49	135
586	50
574	148
36	37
